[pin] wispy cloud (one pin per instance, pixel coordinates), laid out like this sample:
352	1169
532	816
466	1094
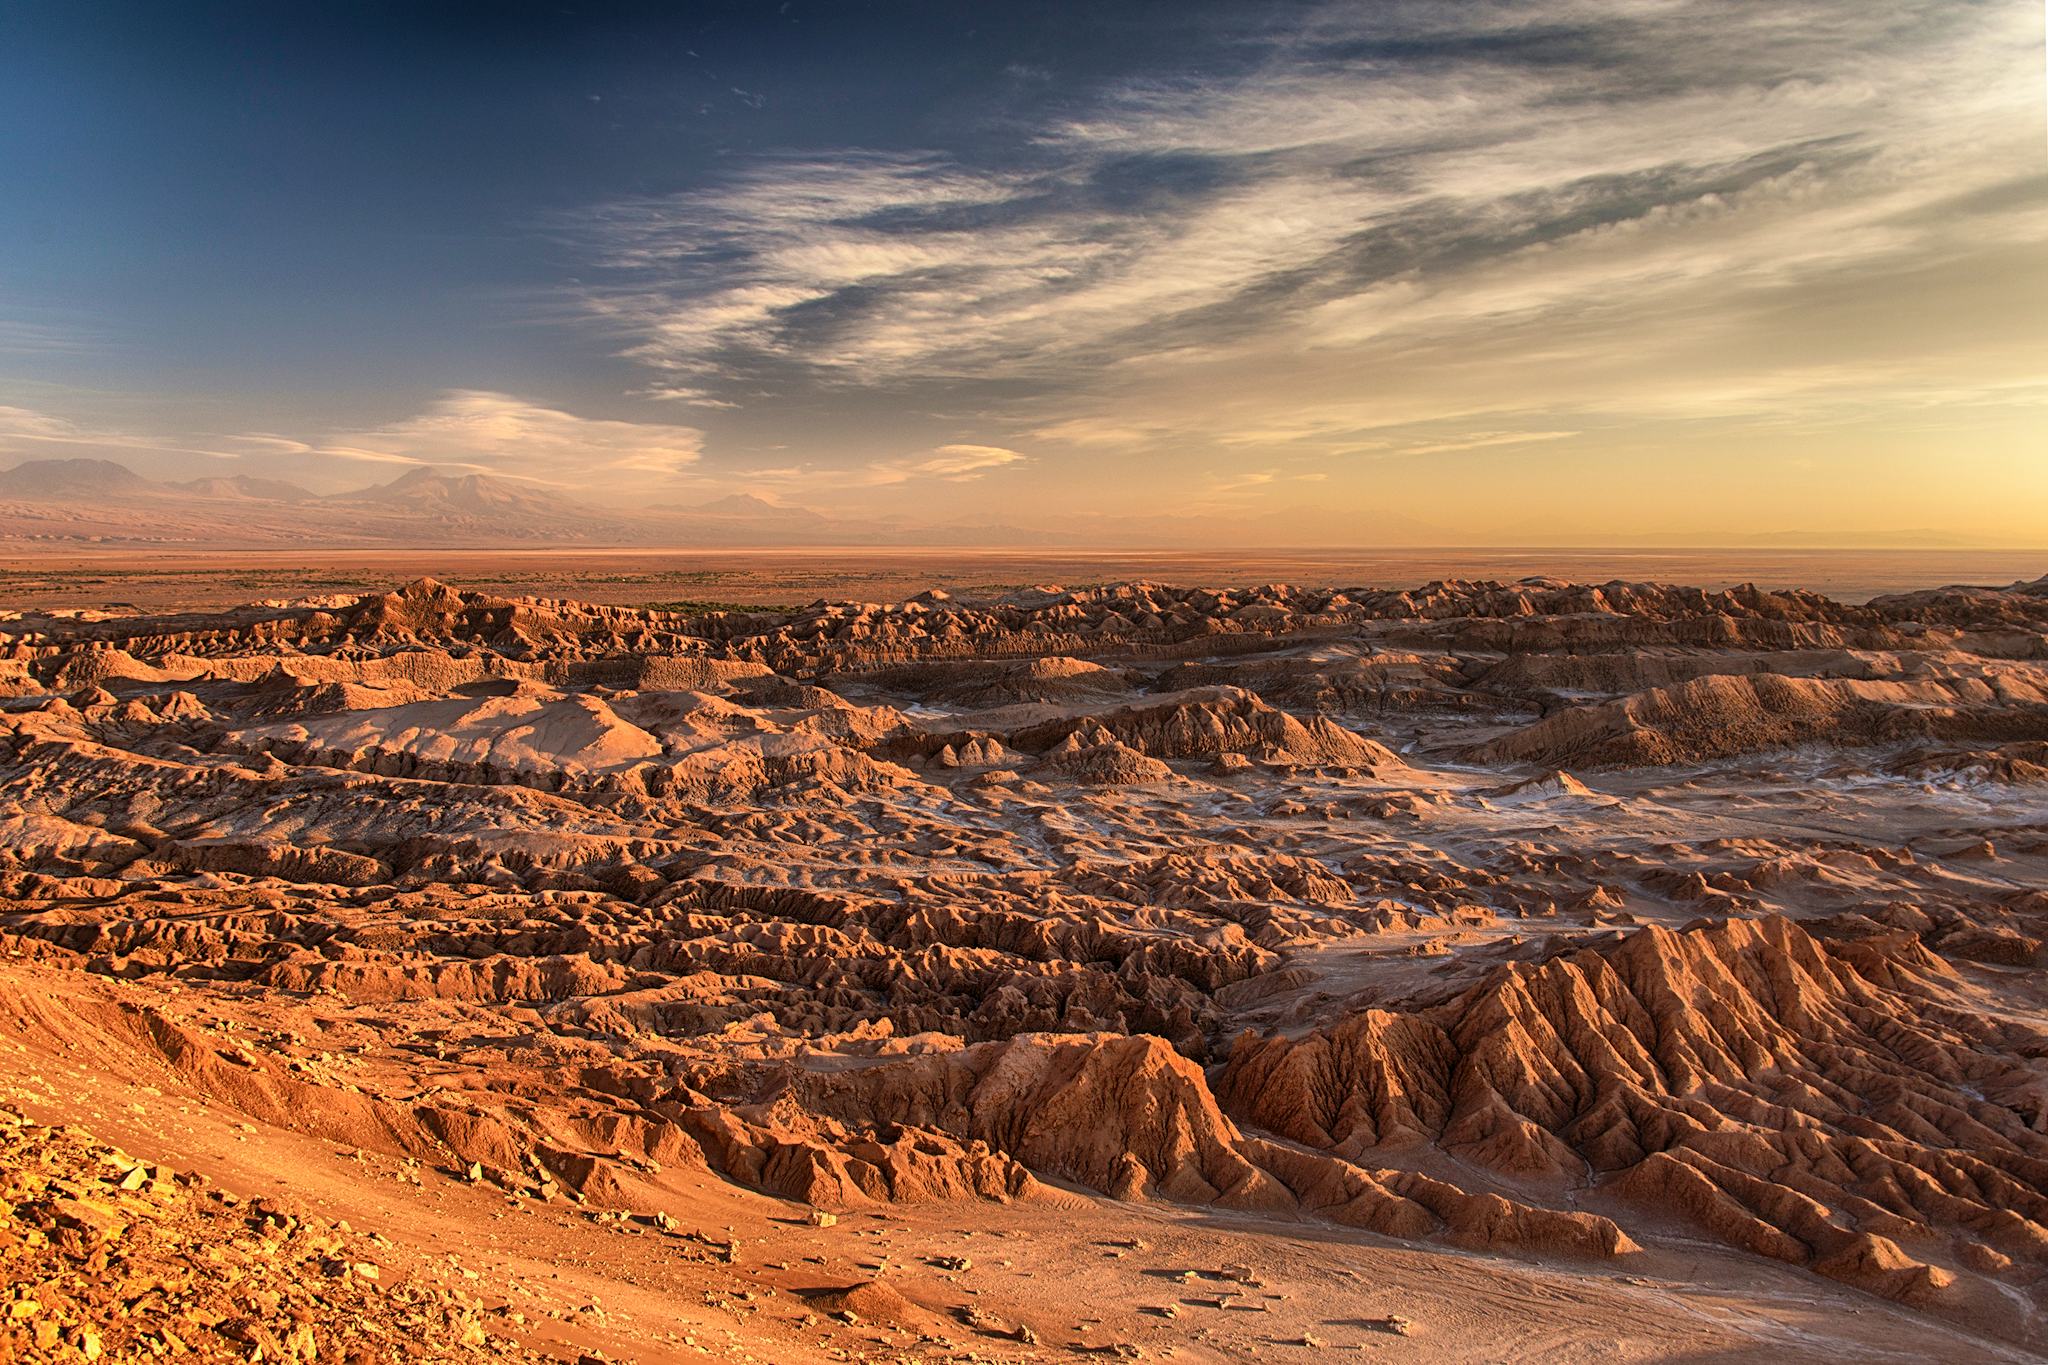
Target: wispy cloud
1551	246
1388	186
30	434
501	434
30	331
475	430
26	424
946	464
686	394
1254	478
954	463
19	337
1486	440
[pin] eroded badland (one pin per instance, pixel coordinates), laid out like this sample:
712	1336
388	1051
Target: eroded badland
1522	971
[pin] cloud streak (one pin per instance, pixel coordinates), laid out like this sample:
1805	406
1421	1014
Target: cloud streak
1481	263
501	434
953	463
468	429
1386	186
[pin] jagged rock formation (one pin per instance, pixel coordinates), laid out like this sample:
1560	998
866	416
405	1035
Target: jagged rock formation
1538	918
1812	1103
1714	717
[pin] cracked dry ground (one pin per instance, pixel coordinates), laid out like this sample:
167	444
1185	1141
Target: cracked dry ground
1485	971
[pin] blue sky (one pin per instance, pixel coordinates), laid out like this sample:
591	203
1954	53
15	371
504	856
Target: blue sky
1480	264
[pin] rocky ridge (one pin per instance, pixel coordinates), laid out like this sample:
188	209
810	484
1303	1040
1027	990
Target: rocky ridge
1549	920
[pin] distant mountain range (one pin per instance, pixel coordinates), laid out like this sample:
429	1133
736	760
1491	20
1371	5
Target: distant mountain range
102	502
242	486
747	507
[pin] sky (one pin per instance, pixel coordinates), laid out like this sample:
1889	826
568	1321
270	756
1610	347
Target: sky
1479	271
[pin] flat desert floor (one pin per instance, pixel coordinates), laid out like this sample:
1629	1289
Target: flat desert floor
180	578
814	957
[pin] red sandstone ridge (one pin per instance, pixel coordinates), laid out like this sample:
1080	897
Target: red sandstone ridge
1743	1076
1714	717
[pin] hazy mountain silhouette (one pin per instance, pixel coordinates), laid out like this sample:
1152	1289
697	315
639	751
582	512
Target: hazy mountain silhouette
68	479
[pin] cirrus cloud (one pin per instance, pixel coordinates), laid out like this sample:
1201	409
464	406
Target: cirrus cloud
501	434
954	463
1384	196
469	429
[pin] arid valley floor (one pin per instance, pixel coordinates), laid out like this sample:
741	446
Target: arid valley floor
1478	970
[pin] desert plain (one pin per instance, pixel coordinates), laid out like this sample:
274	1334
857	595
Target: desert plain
811	957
